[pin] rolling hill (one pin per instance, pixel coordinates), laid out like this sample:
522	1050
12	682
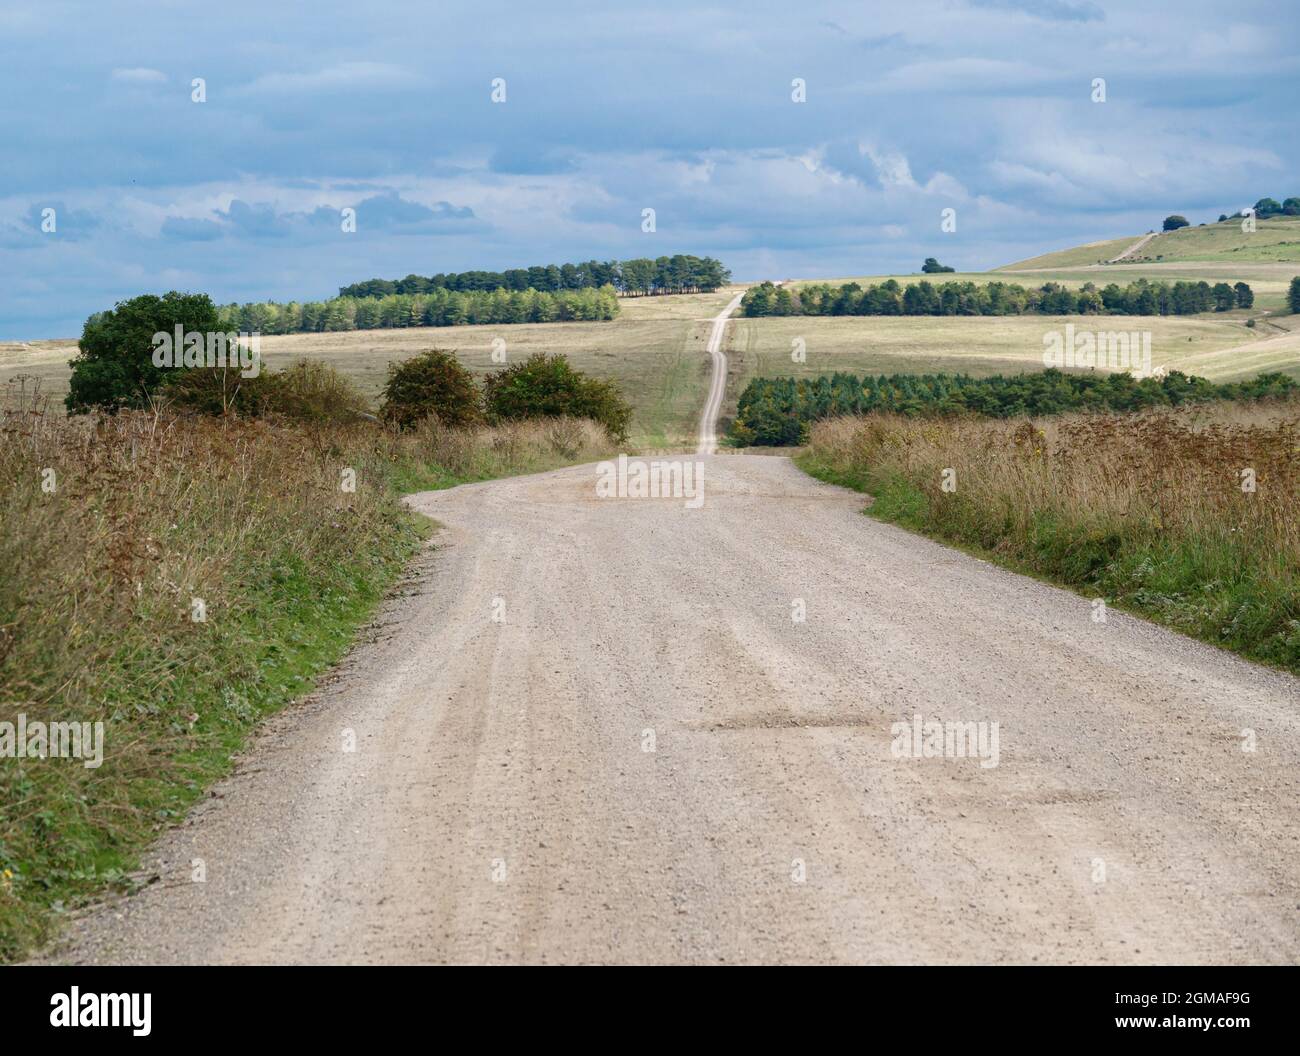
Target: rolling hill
1275	240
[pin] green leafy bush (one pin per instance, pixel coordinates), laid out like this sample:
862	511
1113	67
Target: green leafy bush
545	386
432	383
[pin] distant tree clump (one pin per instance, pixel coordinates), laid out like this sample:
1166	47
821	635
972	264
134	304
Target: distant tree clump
1173	223
114	368
547	386
435	384
1268	207
1293	295
441	307
681	273
932	267
1141	297
777	411
1245	296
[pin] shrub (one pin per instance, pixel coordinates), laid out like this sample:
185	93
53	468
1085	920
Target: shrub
115	366
307	391
545	386
432	383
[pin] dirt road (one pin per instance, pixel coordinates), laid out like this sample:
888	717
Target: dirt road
1133	248
594	730
718	382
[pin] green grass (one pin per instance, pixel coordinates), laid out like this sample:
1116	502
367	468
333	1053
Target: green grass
1274	240
287	633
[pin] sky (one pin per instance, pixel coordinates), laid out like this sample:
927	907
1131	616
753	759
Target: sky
985	107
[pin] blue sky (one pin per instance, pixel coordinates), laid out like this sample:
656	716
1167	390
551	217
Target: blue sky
982	106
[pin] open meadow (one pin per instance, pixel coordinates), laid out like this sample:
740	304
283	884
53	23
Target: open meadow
654	349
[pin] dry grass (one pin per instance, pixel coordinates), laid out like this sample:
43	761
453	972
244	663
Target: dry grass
1147	511
97	605
654	351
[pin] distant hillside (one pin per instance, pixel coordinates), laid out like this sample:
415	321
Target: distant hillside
1276	239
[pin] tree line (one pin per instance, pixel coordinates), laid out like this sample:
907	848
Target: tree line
777	411
439	308
996	298
643	276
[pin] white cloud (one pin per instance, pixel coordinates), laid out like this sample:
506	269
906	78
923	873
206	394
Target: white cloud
344	75
138	75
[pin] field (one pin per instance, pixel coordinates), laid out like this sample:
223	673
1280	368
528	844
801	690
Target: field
655	350
1214	347
1276	239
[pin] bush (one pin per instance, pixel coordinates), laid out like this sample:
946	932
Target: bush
432	383
545	386
307	392
1173	223
115	366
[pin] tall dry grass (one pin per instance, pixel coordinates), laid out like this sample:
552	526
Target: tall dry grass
113	531
1150	511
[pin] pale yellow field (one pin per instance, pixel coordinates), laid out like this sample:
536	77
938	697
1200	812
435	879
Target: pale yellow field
1214	347
655	350
1274	239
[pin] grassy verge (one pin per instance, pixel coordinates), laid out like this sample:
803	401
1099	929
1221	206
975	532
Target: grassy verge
1152	513
178	580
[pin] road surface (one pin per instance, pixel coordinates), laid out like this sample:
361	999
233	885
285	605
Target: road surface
718	381
595	730
1133	248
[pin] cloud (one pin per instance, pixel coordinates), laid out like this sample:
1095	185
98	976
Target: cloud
386	212
46	224
980	105
138	75
1052	10
184	229
345	76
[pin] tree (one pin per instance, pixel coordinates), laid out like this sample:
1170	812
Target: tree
1291	207
932	266
432	383
1268	207
115	367
1293	295
1245	295
1173	223
545	386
